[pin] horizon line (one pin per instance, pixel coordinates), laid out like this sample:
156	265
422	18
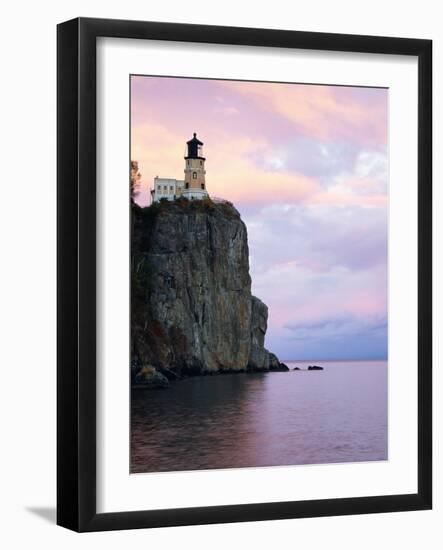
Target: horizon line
319	360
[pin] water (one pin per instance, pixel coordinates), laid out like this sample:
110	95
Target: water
263	419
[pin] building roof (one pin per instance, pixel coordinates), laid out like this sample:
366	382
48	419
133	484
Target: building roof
195	140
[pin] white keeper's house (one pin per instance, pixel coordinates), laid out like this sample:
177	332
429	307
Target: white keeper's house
194	184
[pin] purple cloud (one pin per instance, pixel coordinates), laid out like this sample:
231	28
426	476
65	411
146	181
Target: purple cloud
317	237
310	157
343	336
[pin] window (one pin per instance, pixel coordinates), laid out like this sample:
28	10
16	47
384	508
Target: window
165	187
194	175
159	188
171	188
203	185
187	185
201	163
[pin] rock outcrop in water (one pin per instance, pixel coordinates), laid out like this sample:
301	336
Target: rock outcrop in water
192	311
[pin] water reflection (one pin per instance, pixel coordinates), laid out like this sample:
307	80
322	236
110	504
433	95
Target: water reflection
244	420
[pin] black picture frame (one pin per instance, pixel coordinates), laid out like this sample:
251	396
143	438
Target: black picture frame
76	296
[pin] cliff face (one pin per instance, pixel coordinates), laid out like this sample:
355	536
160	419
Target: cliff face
192	308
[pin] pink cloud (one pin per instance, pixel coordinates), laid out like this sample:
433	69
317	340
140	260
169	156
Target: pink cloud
346	198
323	112
227	115
231	172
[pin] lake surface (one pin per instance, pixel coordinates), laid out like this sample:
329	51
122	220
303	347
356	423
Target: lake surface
263	419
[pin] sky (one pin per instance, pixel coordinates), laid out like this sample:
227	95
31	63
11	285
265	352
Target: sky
307	168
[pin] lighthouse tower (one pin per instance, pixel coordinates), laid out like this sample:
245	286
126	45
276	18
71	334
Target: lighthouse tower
195	184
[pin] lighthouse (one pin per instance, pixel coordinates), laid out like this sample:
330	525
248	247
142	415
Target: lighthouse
195	181
194	184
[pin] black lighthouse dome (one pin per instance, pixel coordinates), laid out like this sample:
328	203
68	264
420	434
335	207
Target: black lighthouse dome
195	148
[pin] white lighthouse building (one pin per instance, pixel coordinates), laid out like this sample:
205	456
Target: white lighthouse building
194	184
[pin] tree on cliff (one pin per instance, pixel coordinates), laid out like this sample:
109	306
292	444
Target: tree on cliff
134	180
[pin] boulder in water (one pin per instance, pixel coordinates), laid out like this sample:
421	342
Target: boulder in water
275	365
149	377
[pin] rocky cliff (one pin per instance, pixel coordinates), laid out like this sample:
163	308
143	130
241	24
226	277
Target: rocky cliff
192	311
